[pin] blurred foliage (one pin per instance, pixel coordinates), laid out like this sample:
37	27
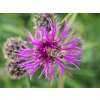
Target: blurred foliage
88	25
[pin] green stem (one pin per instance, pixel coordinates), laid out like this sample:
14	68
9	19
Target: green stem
66	18
27	81
61	82
50	83
70	18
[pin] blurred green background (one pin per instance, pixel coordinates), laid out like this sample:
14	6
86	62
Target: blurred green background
88	25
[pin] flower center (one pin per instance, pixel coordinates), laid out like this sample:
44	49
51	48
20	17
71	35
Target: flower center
51	51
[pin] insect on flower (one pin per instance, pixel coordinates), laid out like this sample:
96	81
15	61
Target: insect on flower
51	48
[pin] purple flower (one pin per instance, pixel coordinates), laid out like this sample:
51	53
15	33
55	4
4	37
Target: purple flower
53	51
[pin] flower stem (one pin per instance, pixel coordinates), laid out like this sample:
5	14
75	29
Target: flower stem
61	82
70	18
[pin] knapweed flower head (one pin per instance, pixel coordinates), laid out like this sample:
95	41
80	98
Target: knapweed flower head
53	51
43	20
10	47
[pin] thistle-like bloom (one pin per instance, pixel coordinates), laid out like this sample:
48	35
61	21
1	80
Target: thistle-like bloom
10	47
53	51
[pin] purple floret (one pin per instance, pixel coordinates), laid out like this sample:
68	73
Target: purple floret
50	50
